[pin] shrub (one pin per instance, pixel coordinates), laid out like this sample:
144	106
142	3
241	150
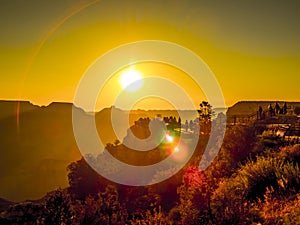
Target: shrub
234	200
279	210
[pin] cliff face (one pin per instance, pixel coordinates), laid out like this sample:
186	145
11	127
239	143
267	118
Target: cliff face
251	107
37	144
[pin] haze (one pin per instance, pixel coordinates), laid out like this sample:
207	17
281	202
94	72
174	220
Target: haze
251	46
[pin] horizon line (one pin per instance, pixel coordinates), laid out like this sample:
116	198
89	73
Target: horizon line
146	109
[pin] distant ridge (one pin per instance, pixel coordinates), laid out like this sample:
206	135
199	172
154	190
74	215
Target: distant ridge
250	107
9	107
36	150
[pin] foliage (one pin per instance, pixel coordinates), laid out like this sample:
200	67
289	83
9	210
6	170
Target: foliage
248	183
154	217
290	153
60	207
205	111
235	199
83	180
238	145
278	210
193	207
104	208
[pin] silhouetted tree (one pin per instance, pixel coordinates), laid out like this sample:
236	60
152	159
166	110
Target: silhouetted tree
205	116
83	180
205	112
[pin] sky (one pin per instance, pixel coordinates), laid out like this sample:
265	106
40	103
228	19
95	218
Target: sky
252	47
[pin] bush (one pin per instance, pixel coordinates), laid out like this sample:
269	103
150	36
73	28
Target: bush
234	200
278	210
229	204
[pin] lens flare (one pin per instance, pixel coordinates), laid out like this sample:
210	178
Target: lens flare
180	151
88	141
169	138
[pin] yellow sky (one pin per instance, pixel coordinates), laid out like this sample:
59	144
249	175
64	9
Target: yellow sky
113	88
252	47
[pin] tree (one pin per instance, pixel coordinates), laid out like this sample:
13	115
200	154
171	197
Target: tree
194	205
205	115
59	208
205	112
83	180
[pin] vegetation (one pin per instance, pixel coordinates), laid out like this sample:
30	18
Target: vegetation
248	183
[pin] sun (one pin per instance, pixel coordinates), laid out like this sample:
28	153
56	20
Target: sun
131	80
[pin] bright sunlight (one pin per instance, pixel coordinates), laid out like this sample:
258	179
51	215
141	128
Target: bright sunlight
131	80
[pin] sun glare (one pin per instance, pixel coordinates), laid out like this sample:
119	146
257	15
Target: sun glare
169	138
131	80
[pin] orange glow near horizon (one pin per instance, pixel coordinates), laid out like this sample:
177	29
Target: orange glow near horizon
251	60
